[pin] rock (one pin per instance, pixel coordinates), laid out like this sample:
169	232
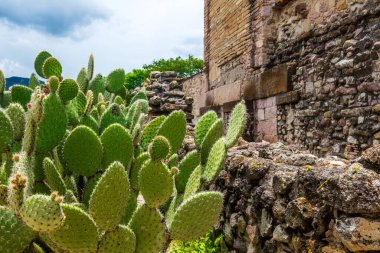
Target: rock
281	235
358	234
265	225
283	181
347	63
299	214
155	100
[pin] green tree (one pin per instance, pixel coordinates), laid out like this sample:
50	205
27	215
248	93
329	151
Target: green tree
185	67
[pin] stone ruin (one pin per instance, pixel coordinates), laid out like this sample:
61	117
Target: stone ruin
308	178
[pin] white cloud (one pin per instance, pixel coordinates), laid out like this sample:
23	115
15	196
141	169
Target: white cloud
132	34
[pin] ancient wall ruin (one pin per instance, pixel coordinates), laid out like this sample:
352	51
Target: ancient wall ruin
308	69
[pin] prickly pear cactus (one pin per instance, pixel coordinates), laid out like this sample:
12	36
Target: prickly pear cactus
83	170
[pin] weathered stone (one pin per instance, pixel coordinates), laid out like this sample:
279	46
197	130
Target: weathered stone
358	234
299	214
266	223
281	235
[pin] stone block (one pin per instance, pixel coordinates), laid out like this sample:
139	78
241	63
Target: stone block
288	98
269	83
224	94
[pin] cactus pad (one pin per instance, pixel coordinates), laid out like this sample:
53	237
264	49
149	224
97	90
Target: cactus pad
120	240
52	126
236	124
115	80
186	167
97	86
214	133
21	94
39	62
15	235
42	213
149	229
150	131
173	160
135	171
17	116
156	183
53	84
52	67
196	216
89	188
6	131
83	151
68	90
113	189
90	67
215	160
112	115
53	178
174	129
159	148
139	95
2	82
117	145
194	182
82	80
202	127
78	232
33	81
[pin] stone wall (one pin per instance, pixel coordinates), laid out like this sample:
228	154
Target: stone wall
309	70
279	199
165	93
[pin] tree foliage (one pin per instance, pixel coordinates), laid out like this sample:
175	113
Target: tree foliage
185	67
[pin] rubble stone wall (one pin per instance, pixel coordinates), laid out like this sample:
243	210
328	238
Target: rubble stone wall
309	70
279	199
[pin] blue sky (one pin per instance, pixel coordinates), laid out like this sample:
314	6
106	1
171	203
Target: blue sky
120	33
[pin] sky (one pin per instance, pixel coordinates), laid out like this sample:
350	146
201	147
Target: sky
120	33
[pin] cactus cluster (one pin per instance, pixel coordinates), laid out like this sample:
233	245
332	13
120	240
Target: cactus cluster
82	170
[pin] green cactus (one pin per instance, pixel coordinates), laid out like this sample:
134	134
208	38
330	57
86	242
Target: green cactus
117	145
80	103
51	67
118	100
115	80
17	116
53	84
5	99
78	232
111	116
97	86
131	207
186	167
196	215
159	148
149	230
15	235
52	124
134	113
82	80
33	81
194	182
6	131
2	82
135	171
53	178
39	62
83	151
139	95
108	216
215	160
150	131
203	126
88	120
42	213
120	240
174	129
89	188
214	133
236	124
174	204
173	160
68	90
156	183
90	67
21	94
